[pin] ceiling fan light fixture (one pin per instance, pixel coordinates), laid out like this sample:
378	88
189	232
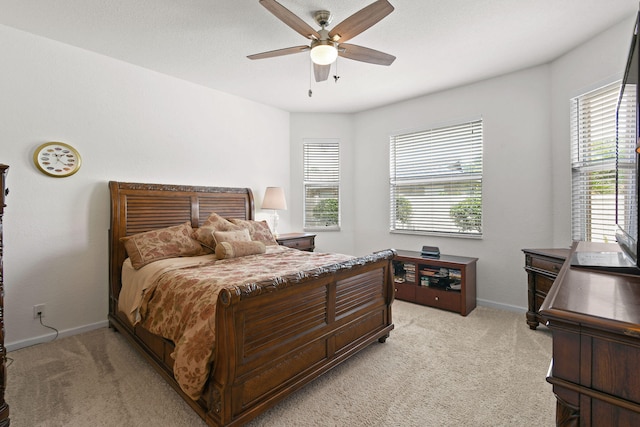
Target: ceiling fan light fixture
326	46
323	52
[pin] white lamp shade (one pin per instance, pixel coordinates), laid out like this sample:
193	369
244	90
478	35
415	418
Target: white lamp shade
324	54
274	199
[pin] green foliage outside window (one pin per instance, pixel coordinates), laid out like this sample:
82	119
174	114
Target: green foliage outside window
602	182
403	210
327	212
468	214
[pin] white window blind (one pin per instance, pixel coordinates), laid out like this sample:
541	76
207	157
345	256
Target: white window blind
593	161
321	184
626	179
436	181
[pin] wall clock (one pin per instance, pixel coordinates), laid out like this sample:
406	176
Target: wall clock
57	159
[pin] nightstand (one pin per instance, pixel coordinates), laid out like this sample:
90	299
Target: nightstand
301	241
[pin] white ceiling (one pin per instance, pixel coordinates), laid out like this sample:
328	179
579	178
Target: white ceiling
438	44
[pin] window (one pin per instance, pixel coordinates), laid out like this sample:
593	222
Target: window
436	181
321	160
593	162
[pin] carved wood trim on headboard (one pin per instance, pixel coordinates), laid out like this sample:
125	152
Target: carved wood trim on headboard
140	207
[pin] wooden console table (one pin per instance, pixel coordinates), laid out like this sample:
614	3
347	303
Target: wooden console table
594	318
447	282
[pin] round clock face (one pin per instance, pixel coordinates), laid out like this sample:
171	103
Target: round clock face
57	159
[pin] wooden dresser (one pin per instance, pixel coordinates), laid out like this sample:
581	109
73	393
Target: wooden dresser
542	267
594	318
4	408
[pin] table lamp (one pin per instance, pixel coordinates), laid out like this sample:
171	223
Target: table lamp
274	199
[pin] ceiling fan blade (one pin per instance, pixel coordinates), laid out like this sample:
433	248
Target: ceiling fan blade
321	72
364	54
360	21
289	18
279	52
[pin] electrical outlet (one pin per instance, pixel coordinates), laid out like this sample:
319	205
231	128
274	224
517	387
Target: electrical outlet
38	309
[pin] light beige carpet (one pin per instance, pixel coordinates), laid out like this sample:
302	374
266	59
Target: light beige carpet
436	369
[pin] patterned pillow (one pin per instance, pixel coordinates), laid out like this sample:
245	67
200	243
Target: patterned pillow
154	245
241	235
226	250
259	230
204	233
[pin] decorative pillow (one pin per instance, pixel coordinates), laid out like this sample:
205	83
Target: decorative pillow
204	233
226	250
241	235
259	230
154	245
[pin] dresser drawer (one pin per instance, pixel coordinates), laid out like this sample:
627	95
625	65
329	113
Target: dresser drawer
405	291
543	284
303	243
545	264
447	300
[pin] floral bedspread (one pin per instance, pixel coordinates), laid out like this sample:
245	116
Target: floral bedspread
181	304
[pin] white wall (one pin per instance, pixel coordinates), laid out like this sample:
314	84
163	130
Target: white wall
129	124
526	187
516	181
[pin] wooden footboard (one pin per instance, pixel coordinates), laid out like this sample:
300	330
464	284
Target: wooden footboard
272	337
280	336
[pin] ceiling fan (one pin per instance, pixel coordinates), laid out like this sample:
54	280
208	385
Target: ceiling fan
327	45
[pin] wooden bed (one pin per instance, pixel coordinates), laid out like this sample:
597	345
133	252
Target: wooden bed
247	377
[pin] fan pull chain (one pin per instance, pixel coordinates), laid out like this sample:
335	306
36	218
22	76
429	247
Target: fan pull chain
336	76
310	73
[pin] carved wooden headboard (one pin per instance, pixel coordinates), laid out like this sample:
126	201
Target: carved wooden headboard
139	207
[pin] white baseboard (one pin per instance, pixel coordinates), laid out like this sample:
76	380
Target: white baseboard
61	334
500	306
